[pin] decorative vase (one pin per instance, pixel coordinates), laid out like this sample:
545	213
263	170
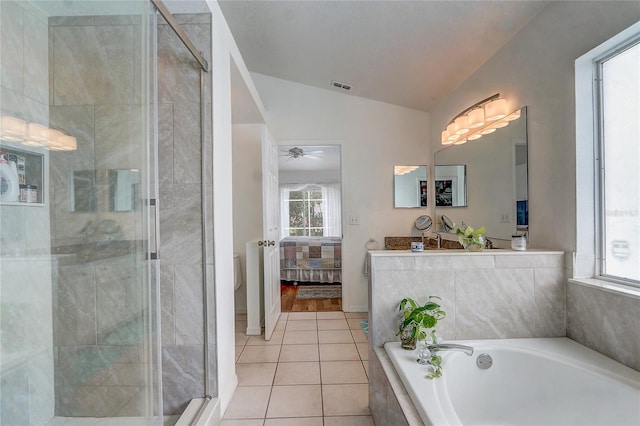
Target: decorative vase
471	245
407	339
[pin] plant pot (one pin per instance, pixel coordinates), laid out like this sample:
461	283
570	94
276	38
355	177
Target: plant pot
471	245
407	339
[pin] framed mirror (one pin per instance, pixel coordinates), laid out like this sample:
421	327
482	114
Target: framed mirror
496	177
410	187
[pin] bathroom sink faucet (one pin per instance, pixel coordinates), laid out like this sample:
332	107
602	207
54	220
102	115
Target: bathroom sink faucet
450	347
436	236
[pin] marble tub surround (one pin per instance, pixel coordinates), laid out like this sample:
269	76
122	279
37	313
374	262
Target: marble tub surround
606	321
490	294
430	243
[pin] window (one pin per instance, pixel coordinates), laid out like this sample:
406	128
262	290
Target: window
310	210
618	139
305	214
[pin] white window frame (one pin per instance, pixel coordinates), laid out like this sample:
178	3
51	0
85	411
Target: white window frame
587	264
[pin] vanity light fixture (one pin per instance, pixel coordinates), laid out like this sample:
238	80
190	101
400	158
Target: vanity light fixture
403	170
480	119
15	129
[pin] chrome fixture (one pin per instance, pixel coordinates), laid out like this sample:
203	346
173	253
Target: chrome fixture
479	119
468	350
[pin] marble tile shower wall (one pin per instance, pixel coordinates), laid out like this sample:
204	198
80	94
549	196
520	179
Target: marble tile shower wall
486	295
181	234
95	64
95	93
26	329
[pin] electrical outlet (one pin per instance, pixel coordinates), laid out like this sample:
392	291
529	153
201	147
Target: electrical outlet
354	220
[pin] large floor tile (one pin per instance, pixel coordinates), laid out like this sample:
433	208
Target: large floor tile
295	401
297	373
300	337
294	316
337	372
251	422
361	315
297	421
339	352
330	315
241	338
256	374
276	339
298	353
333	324
354	323
302	325
345	400
363	350
259	354
358	336
334	336
349	421
248	402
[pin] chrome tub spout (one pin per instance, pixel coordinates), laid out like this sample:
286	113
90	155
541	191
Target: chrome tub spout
450	347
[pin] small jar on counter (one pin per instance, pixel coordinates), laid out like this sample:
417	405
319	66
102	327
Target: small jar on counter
518	242
28	193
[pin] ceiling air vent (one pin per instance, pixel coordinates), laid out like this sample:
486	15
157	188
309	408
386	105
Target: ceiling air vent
341	85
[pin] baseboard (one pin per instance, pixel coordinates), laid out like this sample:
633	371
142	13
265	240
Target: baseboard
355	308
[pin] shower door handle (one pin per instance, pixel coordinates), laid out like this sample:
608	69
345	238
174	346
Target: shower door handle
152	252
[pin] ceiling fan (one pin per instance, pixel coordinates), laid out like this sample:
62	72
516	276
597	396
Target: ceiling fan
296	152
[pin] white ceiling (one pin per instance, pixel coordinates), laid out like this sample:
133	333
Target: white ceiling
408	53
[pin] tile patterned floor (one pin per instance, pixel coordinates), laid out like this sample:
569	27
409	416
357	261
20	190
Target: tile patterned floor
313	372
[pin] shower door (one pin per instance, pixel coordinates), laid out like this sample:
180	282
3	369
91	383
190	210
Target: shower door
78	299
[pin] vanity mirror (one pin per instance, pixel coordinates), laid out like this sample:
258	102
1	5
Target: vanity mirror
410	186
494	171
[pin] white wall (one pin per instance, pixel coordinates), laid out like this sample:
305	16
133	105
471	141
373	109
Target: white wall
536	70
375	136
247	197
224	53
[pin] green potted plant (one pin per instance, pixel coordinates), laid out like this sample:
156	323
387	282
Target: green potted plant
472	239
417	320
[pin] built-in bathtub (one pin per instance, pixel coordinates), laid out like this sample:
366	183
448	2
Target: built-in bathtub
538	381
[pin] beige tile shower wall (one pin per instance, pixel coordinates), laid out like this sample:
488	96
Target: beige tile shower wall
493	294
179	174
605	321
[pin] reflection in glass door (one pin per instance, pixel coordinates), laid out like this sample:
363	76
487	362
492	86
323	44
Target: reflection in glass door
77	302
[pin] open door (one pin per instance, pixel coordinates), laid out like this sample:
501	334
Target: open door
270	232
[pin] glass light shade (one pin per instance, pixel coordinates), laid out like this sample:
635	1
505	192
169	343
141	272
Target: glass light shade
488	130
447	142
444	136
495	110
513	116
453	137
37	133
13	128
500	124
476	118
475	136
462	125
460	141
55	140
451	129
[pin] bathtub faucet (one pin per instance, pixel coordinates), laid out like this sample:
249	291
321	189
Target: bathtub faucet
450	347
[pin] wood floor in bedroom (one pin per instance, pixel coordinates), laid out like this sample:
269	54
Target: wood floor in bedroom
289	303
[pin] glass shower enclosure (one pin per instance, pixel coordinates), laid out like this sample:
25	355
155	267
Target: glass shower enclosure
78	283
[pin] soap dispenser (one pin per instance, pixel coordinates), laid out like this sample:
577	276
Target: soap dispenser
9	184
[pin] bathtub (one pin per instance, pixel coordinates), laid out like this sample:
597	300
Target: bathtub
552	381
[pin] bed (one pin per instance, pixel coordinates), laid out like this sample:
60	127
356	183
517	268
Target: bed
311	259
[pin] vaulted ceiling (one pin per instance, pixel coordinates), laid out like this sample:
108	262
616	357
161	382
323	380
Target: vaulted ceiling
408	53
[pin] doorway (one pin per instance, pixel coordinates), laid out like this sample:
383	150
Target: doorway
311	226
